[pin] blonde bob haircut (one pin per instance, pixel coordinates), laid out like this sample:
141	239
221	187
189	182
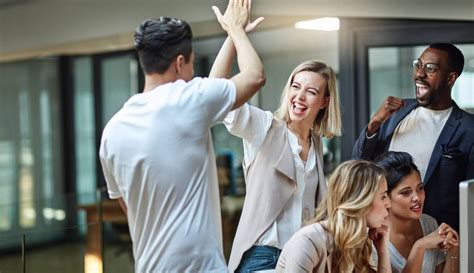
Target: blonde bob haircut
351	192
328	121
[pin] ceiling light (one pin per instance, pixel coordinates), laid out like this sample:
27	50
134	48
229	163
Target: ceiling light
324	23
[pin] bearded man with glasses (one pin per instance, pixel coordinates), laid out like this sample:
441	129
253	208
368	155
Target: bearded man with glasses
431	128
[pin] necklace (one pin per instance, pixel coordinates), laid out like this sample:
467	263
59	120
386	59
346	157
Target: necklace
303	140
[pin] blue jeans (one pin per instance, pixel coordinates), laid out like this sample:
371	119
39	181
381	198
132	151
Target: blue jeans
259	258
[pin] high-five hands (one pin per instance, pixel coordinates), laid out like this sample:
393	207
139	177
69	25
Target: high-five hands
234	10
236	15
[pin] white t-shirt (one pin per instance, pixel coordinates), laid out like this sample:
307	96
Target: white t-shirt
252	125
157	154
417	134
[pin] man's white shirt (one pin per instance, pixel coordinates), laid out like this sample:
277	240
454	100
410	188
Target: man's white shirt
157	154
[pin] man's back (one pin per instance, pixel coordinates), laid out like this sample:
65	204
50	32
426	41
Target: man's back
157	155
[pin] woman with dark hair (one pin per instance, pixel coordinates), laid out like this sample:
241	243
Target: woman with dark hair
417	244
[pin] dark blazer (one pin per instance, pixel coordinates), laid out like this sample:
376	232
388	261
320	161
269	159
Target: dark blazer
452	159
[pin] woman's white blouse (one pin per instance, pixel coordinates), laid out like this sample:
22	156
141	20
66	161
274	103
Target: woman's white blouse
252	124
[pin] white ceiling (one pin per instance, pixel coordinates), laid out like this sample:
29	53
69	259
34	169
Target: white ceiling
49	26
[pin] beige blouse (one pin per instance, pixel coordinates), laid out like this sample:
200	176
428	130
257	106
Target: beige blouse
310	250
307	251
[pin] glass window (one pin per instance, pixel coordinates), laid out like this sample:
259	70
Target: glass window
463	88
30	144
84	130
119	82
7	189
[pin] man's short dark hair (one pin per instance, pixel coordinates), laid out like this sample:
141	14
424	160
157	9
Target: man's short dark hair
455	56
159	40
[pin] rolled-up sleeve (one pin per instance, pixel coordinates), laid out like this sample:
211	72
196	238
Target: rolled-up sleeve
251	124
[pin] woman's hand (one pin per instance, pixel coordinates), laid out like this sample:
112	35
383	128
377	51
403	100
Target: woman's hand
380	237
444	237
431	241
237	14
451	236
252	25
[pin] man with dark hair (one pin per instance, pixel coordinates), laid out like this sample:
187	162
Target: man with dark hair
159	41
157	153
432	128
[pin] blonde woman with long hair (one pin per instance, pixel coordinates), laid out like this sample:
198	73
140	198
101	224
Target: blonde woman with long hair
350	219
283	163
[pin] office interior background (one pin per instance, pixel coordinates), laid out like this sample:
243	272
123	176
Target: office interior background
67	66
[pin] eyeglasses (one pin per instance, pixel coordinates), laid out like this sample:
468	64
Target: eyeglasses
429	68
